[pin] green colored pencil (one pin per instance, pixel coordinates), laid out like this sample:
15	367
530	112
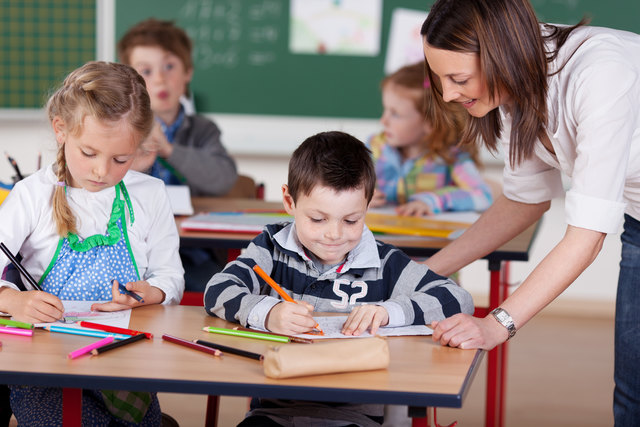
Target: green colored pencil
7	322
245	334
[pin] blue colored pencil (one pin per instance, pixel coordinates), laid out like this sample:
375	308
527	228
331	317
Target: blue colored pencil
85	332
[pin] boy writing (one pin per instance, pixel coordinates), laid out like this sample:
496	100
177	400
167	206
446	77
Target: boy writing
328	260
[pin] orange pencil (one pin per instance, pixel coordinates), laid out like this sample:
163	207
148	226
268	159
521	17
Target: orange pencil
285	296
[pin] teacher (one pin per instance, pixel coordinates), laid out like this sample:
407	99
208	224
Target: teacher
558	100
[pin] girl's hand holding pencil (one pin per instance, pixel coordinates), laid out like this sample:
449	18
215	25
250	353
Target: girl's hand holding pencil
31	306
132	294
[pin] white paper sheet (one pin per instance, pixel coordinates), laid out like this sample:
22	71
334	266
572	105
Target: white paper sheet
180	199
331	326
75	311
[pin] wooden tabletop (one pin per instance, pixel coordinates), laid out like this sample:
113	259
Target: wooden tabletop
421	373
515	250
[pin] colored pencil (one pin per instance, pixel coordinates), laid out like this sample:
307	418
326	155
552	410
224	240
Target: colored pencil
19	266
16	331
86	349
113	329
291	337
85	332
15	166
230	350
123	290
190	344
285	296
245	334
15	324
113	345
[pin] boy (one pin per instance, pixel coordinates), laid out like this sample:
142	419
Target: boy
328	260
183	148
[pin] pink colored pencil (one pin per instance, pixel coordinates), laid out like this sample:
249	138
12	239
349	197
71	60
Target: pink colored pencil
88	348
16	331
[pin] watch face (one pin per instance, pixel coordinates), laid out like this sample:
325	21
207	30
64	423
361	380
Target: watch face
502	316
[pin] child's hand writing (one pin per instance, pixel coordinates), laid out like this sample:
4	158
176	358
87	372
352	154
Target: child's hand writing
290	318
414	208
32	306
364	317
150	295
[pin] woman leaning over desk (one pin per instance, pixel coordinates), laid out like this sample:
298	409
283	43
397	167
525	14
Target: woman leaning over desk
558	100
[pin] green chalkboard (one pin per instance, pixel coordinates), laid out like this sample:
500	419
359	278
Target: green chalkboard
243	63
41	41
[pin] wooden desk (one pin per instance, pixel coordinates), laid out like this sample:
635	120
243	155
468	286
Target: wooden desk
421	372
515	250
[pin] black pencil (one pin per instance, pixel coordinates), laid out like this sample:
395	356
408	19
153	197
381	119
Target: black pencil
230	350
19	266
15	166
117	344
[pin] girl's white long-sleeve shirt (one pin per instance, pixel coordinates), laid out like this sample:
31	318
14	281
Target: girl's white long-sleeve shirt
594	126
28	226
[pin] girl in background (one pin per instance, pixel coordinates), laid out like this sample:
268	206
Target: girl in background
85	224
419	166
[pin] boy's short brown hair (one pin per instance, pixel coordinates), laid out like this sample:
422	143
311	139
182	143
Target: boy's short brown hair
153	32
332	159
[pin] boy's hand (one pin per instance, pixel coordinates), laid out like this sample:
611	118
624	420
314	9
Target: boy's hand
290	318
120	301
364	317
32	306
414	208
379	199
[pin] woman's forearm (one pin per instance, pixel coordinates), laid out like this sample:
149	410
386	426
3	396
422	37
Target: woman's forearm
504	220
559	269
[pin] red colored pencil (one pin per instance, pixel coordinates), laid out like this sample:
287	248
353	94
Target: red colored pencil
192	345
113	329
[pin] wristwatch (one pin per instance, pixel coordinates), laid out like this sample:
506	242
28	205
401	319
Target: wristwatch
505	320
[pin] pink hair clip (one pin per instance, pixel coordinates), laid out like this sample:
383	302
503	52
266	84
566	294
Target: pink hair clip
61	183
426	84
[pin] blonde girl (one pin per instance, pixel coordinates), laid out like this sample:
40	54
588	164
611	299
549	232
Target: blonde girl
86	224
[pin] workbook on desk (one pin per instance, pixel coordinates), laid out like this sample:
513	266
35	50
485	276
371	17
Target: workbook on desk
234	222
432	226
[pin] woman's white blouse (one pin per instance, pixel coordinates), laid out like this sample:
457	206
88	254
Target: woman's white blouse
28	226
594	126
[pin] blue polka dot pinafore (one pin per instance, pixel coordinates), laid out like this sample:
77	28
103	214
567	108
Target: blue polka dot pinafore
83	271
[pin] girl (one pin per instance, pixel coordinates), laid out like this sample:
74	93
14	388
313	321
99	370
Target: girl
557	99
86	220
418	165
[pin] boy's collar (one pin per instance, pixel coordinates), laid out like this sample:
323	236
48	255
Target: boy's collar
364	255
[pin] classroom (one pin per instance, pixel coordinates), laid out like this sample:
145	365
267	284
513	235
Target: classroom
267	95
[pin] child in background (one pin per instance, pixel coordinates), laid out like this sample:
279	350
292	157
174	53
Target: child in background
183	148
328	261
418	165
86	220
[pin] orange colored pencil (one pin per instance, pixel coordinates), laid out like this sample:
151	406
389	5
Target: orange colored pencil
285	296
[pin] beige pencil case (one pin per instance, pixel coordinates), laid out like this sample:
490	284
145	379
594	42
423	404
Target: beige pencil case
345	355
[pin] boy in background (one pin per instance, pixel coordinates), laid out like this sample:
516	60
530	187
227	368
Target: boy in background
328	261
183	148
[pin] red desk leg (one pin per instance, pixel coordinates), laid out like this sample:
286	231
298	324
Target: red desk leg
497	358
211	419
72	407
232	254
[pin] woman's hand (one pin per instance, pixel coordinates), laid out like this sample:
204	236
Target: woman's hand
150	295
290	318
468	332
414	208
364	317
32	306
